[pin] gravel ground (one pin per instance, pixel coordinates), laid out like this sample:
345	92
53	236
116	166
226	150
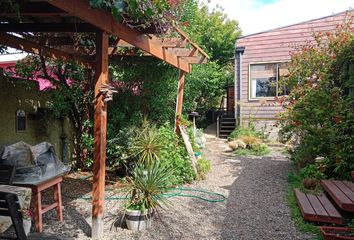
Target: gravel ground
255	208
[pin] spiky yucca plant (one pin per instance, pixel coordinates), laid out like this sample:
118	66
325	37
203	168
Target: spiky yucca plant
147	184
146	147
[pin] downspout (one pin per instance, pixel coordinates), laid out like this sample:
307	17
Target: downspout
235	89
238	55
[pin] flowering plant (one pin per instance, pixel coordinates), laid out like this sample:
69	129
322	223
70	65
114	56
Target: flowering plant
27	214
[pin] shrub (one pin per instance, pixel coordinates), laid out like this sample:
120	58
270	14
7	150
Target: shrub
248	141
242	131
203	167
319	112
174	154
118	154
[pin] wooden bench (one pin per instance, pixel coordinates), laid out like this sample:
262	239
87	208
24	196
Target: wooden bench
352	173
9	206
317	208
342	192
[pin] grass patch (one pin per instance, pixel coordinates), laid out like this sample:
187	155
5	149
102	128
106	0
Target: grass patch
251	152
295	182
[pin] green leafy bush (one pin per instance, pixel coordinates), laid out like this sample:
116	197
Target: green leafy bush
118	155
203	167
243	131
251	138
174	154
319	114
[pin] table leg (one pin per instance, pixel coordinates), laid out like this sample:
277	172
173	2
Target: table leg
57	198
37	202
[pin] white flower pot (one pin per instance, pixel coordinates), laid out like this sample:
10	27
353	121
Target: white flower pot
139	220
27	226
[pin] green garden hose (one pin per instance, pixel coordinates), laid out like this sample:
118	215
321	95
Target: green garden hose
177	192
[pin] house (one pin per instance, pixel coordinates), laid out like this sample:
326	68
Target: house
261	60
23	110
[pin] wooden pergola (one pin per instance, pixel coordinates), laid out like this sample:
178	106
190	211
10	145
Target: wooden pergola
26	30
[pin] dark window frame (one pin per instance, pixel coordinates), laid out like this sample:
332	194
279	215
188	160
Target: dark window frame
21	120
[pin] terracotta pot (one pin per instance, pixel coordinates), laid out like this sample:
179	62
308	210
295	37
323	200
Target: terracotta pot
335	233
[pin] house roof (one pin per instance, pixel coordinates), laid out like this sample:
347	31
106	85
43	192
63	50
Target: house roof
12	57
290	25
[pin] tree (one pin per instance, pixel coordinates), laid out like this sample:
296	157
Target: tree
71	95
157	82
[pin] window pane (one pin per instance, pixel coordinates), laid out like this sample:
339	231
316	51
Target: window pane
21	123
20	120
263	80
283	73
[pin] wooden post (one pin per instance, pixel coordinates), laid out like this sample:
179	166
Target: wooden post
179	103
100	129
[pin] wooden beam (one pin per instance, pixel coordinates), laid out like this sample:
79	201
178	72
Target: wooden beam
31	47
184	35
179	102
47	27
182	52
33	9
173	42
195	59
100	130
106	22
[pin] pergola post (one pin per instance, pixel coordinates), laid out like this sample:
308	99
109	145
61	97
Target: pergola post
179	103
100	129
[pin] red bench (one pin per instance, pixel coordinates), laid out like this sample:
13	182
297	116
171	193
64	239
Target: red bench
342	192
317	208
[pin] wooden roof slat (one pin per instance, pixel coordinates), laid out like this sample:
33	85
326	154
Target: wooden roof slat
183	34
31	47
35	9
46	27
106	22
182	52
173	42
195	59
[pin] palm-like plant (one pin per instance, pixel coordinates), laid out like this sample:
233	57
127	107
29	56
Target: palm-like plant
147	184
146	146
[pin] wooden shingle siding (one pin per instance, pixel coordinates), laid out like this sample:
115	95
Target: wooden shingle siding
275	46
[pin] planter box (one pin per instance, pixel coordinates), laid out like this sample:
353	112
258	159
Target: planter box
337	233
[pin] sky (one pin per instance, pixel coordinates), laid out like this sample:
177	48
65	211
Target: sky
261	15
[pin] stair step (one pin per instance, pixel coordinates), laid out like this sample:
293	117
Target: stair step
225	132
228	127
228	119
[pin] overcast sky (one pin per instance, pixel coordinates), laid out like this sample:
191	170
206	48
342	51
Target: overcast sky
260	15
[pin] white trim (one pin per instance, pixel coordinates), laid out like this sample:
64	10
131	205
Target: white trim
251	99
12	57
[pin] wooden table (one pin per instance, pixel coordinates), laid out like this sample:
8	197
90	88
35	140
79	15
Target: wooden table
24	198
39	208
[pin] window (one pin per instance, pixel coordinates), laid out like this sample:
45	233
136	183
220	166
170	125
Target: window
265	80
20	120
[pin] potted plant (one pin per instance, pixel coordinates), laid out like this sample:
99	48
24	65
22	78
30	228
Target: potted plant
27	220
144	190
337	233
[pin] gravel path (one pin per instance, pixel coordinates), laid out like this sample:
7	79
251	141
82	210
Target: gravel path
255	208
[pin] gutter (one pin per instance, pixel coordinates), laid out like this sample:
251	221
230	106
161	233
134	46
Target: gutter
238	82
